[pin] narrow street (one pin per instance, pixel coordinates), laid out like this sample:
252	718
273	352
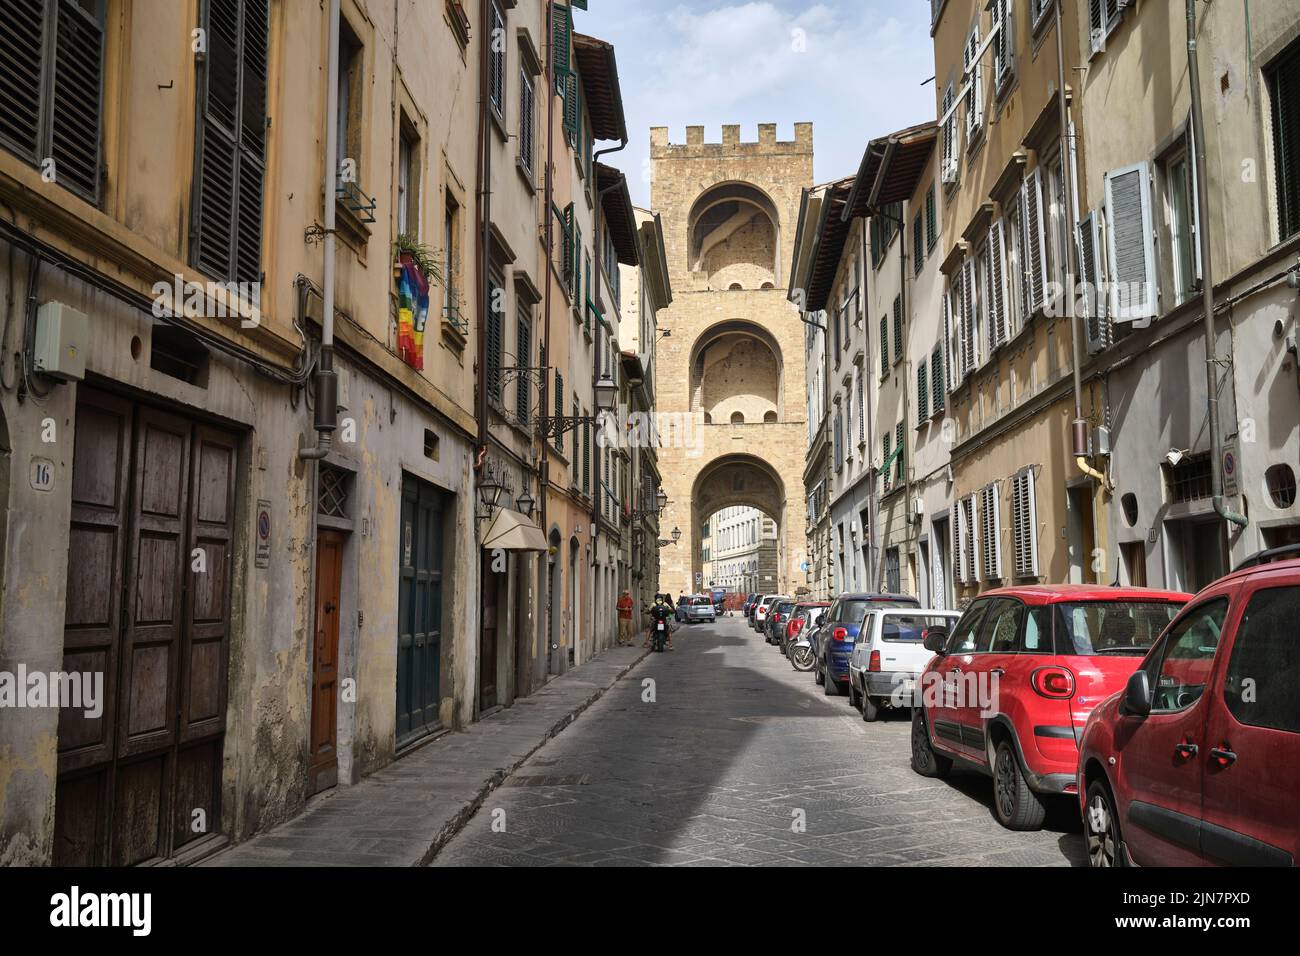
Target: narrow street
715	770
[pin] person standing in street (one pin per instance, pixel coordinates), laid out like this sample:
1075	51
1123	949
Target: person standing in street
624	606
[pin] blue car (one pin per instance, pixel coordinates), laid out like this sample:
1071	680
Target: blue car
839	630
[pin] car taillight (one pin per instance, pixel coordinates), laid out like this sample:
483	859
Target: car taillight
1054	682
840	634
795	626
874	663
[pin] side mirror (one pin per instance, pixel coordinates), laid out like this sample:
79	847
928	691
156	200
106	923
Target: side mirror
1137	694
936	639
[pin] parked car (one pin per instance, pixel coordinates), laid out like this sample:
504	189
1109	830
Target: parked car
696	608
761	609
748	609
889	655
1009	688
1197	760
777	616
807	614
840	630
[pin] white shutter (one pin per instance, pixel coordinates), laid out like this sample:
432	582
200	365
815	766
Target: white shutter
1024	520
1035	243
958	542
991	532
974	83
949	339
969	318
971	555
938	597
997	286
1130	245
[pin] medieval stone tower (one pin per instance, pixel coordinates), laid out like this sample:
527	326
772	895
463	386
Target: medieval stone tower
732	370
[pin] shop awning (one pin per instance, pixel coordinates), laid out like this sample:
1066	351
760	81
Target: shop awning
511	531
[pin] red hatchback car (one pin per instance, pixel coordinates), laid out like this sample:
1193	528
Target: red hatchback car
1197	761
1010	687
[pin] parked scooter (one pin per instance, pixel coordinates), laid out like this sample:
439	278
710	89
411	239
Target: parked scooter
802	654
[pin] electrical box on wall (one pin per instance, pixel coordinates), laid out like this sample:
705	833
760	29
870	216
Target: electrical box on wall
62	334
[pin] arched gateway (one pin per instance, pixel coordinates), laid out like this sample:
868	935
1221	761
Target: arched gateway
733	365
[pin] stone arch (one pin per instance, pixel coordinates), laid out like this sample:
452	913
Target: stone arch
734	237
737	366
739	479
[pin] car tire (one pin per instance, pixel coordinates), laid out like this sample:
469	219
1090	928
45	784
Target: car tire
1103	838
870	709
818	674
925	761
829	687
1016	806
853	691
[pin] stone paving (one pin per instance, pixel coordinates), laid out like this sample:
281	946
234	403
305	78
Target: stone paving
403	814
735	750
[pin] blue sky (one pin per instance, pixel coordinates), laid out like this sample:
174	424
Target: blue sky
854	68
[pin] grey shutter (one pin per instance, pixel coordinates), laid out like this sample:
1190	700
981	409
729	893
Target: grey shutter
1035	244
226	221
494	345
958	553
1095	306
1194	197
969	320
1130	241
991	527
22	40
1024	520
884	346
997	286
75	116
523	356
497	62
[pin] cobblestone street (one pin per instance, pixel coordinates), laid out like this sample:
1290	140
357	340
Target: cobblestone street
734	749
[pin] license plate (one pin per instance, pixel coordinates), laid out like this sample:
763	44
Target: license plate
661	625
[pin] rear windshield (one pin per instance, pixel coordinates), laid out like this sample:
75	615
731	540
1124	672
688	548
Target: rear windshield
855	611
910	627
784	607
1121	628
701	600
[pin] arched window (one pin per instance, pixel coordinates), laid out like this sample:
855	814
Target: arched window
769	417
737	418
734	237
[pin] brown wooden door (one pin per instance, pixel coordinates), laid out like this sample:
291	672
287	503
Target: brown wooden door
323	770
148	604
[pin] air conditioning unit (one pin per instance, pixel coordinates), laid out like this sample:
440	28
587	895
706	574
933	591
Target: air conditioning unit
948	173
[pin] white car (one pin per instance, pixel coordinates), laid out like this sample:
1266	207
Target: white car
889	655
762	607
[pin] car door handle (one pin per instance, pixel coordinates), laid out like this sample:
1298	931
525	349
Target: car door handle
1223	755
998	670
1186	750
954	670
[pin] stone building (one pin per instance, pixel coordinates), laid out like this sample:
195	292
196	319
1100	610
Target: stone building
743	550
730	381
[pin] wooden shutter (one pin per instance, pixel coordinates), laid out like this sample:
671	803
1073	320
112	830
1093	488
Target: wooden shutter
898	327
1130	242
586	459
958	551
1035	241
561	30
969	323
1024	520
884	346
1096	306
226	218
936	379
523	357
572	109
559	407
974	84
997	286
918	246
952	333
991	532
922	392
494	344
75	109
931	219
527	121
497	62
1284	84
900	464
884	460
22	42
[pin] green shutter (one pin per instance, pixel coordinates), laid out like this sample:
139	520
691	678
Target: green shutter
936	379
898	327
931	219
922	393
884	346
572	109
898	451
561	33
559	408
918	249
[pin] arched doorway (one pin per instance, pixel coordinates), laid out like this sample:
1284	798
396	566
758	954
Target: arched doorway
746	490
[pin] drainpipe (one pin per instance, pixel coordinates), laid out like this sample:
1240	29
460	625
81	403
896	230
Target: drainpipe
1207	282
873	508
326	414
484	214
548	216
1079	427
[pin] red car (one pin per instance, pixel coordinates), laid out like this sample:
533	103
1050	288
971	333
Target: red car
1010	687
792	628
1197	761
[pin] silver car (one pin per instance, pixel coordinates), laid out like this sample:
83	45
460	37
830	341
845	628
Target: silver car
699	607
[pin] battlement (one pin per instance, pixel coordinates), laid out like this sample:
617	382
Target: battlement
731	144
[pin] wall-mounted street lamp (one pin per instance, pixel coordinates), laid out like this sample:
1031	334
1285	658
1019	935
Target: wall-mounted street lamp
489	490
525	502
661	502
553	426
677	535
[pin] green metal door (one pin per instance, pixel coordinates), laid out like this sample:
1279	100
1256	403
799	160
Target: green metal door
419	616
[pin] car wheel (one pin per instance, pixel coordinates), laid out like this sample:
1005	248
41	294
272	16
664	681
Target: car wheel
870	709
1017	807
818	674
925	761
1101	824
853	691
829	687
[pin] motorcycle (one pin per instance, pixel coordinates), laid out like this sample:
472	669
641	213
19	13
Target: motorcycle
659	636
802	655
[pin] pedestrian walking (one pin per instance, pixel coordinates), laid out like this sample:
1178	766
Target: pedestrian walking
625	618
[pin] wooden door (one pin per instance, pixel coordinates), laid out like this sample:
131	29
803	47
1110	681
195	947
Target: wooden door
419	637
323	767
148	605
487	647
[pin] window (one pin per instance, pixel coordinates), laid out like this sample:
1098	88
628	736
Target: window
1024	523
1130	245
922	393
899	463
862	414
968	291
885	438
964	540
226	218
527	124
1038	11
884	346
948	162
893	578
918	247
408	181
348	117
1034	247
1181	217
58	45
998	325
523	359
991	532
1283	80
495	331
1013	240
974	70
1259	686
936	379
1057	229
1125	628
1000	630
1187	658
967	628
1000	19
497	62
1103	17
451	266
1092	268
839	446
931	219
